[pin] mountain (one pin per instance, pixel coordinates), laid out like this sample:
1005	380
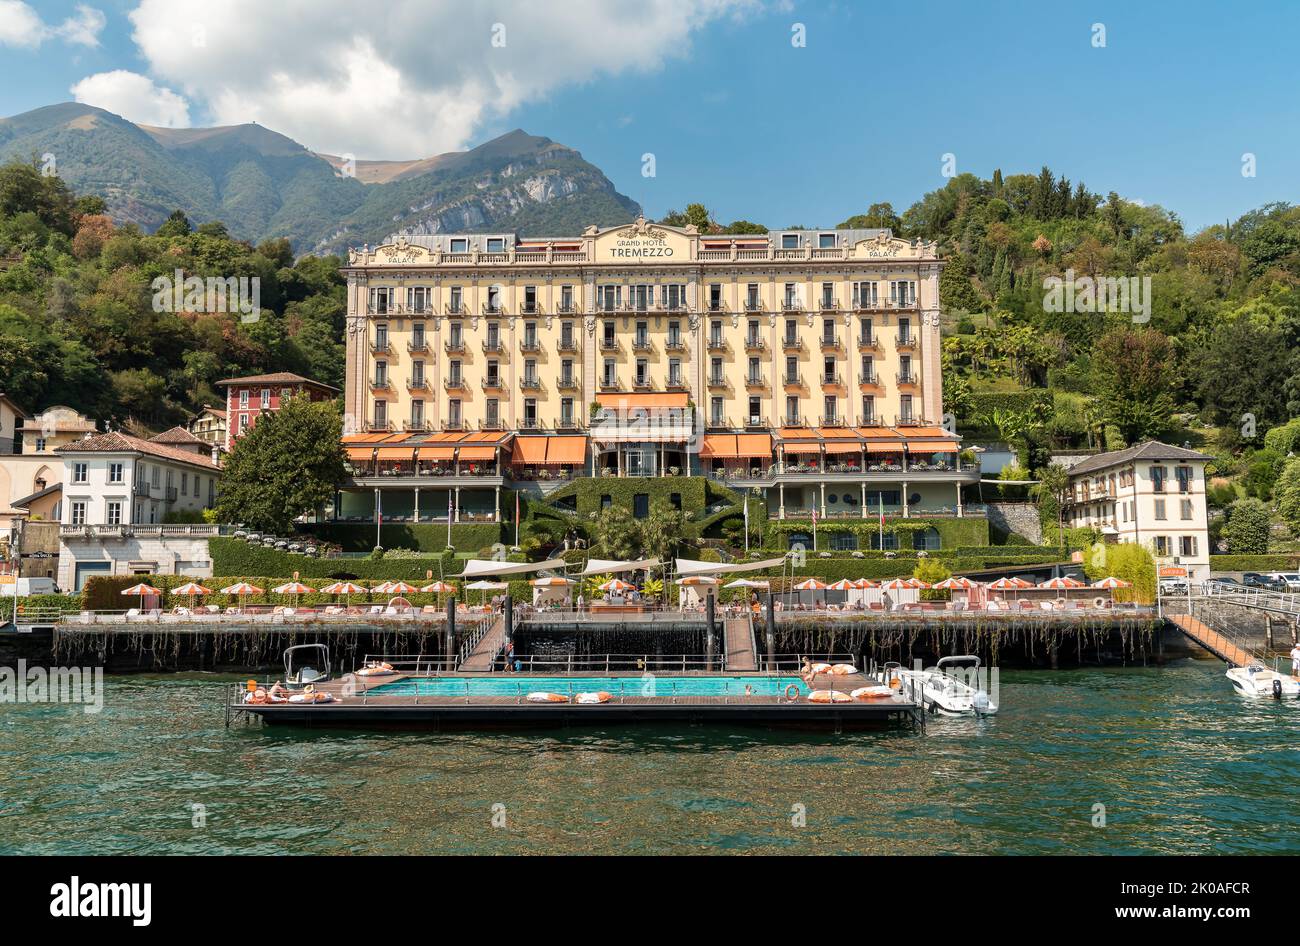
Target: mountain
262	184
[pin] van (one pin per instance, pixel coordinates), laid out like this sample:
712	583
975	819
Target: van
1290	579
26	586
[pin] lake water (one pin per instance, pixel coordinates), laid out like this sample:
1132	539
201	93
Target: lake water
1180	764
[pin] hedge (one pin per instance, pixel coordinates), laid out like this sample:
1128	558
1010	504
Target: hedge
104	593
953	531
359	537
1255	563
236	557
587	492
44	602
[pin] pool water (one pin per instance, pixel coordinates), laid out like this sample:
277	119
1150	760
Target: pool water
632	685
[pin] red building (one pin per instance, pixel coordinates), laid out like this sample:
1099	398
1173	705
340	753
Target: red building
246	398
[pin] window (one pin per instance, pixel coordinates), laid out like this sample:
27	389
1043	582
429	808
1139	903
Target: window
496	245
715	296
492	412
453	372
675	500
530	413
457	303
566	372
751	297
380	300
755	411
791	332
460	245
828	295
902	292
789	241
40	444
453	412
754	374
865	296
113	513
608	297
185	484
381	413
566	335
642	372
715	411
417	374
843	542
826	241
1162	545
890	541
829	408
456	335
791	370
674	333
642	334
868	370
609	379
715	371
265	402
866	334
607	334
792	411
154	477
530	298
715	334
418	298
566	298
641	505
1187	546
828	331
566	412
1184	476
493	334
791	295
868	409
905	332
1185	509
243	400
641	297
417	413
1157	479
905	409
493	372
381	374
79	473
78	513
606	501
904	369
115	472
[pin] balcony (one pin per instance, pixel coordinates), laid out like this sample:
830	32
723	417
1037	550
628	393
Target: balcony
791	344
530	383
418	346
609	386
834	380
754	381
792	380
142	489
675	344
906	341
491	383
453	424
609	344
904	304
791	305
531	423
675	384
719	308
833	420
679	305
793	420
568	344
566	307
378	347
493	308
379	425
831	342
906	377
380	384
529	345
642	344
456	308
868	342
756	421
642	385
718	381
829	304
493	346
454	384
717	344
417	384
871	304
415	423
171	494
568	423
869	380
530	308
569	383
753	305
492	423
754	343
454	346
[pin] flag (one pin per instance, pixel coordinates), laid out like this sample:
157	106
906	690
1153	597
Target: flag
882	511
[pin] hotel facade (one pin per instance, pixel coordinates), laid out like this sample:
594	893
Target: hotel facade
803	363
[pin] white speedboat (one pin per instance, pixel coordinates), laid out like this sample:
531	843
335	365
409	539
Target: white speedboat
943	687
1259	682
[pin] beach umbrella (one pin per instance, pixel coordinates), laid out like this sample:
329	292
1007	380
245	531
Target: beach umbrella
241	590
954	584
383	588
866	583
746	583
898	584
551	581
141	589
294	588
401	588
192	589
844	584
617	586
485	586
810	584
1060	584
439	588
917	583
1009	584
1112	583
345	588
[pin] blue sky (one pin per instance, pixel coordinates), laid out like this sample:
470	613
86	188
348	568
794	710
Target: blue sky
742	120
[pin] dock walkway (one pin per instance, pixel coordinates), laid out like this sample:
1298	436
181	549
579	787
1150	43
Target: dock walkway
740	645
1212	640
484	654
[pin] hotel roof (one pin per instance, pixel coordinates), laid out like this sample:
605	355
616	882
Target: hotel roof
1148	450
177	435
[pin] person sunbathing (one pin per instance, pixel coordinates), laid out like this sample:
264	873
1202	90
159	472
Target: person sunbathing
278	693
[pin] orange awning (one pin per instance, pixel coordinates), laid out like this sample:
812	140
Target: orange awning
478	453
882	446
925	432
360	454
936	447
436	453
754	446
364	438
396	453
719	446
529	450
843	446
566	450
644	401
803	447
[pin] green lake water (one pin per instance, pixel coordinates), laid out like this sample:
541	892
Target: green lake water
1180	763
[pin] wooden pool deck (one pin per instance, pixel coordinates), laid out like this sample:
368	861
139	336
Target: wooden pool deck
361	703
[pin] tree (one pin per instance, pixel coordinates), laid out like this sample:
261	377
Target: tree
177	224
1247	527
1127	561
616	534
1053	490
1134	372
956	292
1286	494
288	464
662	532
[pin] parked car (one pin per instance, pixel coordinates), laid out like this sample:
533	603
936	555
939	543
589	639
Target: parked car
1224	583
1290	579
1262	582
1173	586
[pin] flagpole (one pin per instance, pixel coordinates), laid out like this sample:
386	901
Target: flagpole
881	497
448	518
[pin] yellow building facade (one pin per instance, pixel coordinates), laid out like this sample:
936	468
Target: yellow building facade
639	350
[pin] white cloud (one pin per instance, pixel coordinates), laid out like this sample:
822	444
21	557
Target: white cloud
20	25
415	79
134	97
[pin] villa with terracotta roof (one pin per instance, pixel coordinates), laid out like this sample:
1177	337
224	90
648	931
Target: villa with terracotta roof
123	495
249	397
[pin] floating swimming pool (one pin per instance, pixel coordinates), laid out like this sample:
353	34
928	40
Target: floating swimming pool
646	685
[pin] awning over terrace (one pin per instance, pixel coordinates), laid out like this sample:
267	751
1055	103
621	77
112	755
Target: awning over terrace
688	566
736	446
538	451
607	566
478	567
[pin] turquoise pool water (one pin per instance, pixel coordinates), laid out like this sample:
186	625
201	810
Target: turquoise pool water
638	685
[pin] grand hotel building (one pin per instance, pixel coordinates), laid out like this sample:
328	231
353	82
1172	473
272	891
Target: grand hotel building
803	363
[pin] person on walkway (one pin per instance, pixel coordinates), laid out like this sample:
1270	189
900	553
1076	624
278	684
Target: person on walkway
1295	660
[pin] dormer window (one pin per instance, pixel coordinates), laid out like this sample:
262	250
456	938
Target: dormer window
460	245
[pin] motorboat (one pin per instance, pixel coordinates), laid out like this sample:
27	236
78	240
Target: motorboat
1259	682
943	688
306	664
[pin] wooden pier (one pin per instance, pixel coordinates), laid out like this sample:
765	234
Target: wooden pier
739	636
1216	643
